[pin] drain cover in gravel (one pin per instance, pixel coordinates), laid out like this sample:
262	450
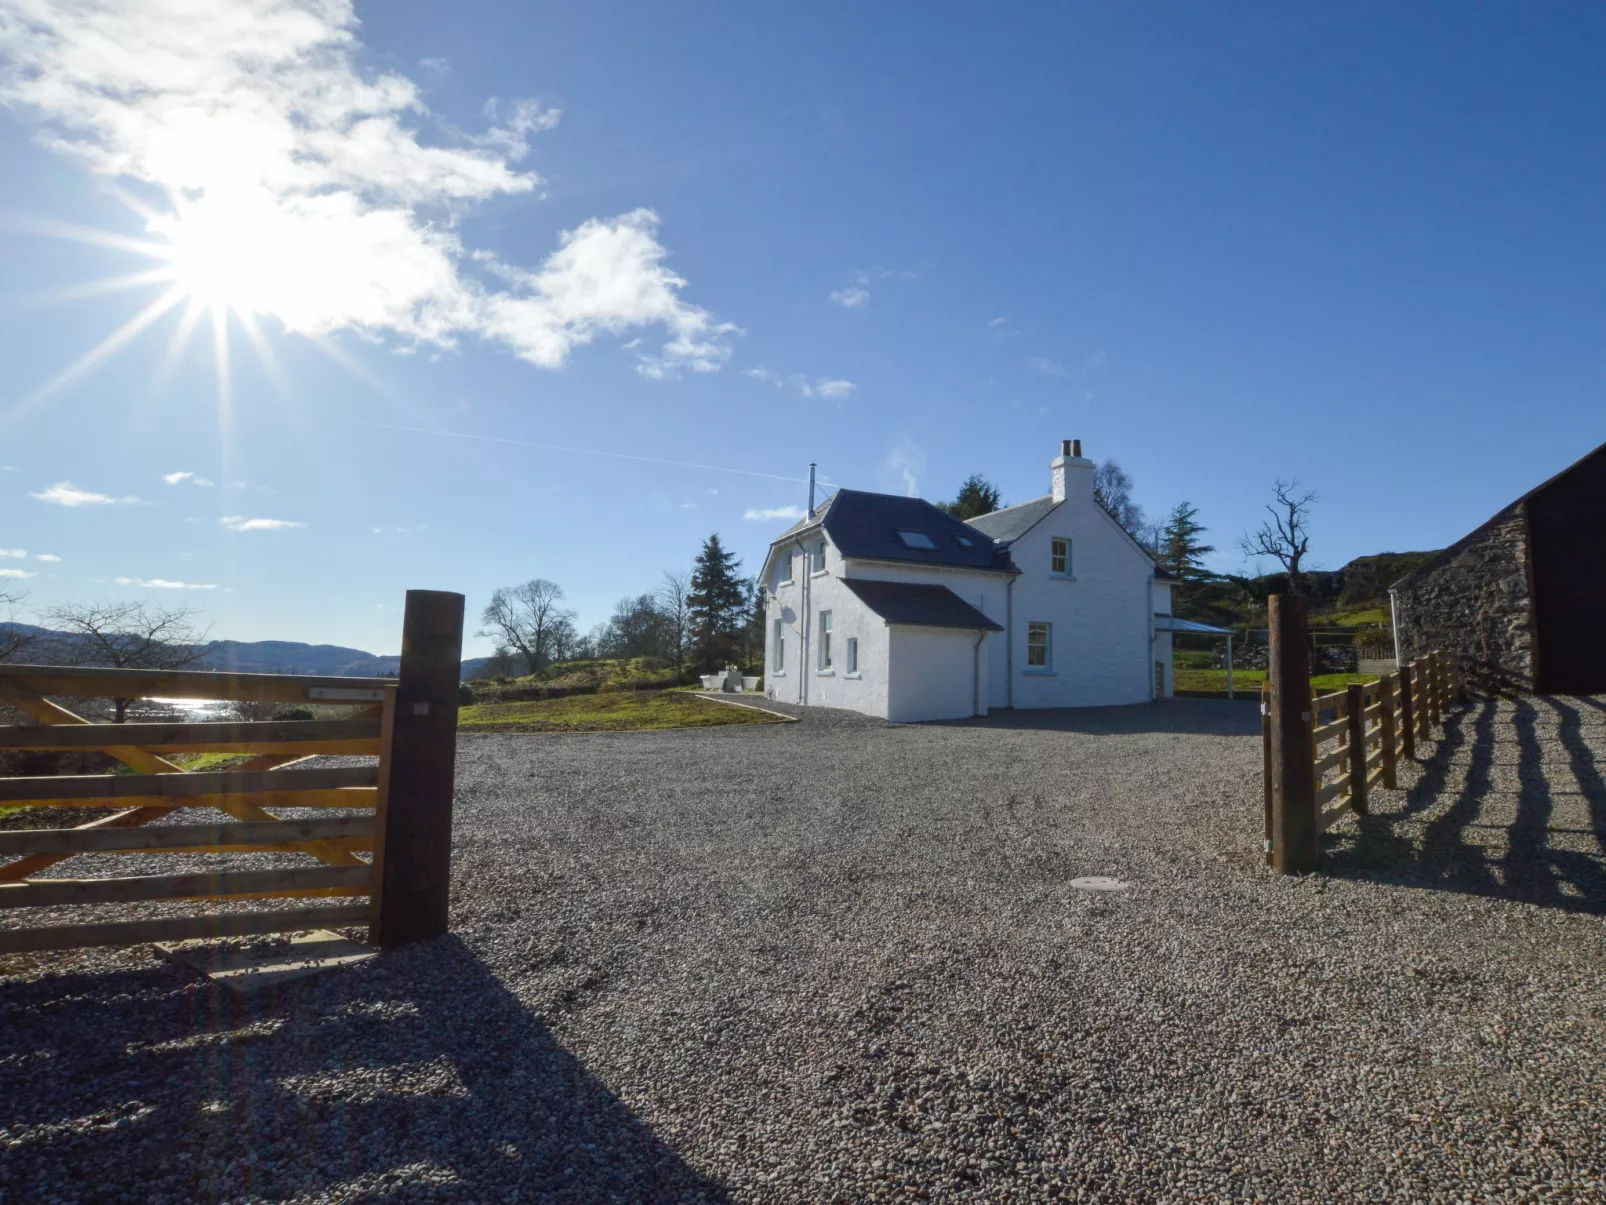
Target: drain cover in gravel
1099	882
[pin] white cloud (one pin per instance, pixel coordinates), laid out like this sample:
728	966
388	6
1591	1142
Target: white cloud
995	323
293	163
711	492
162	583
177	478
49	558
65	493
1044	367
822	387
856	296
240	523
908	460
18	573
13	552
688	506
9	468
765	514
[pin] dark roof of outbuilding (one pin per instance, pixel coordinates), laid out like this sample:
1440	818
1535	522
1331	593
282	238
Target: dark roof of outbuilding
1454	550
919	605
1013	522
867	525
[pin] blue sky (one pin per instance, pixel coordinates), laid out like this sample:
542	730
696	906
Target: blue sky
557	290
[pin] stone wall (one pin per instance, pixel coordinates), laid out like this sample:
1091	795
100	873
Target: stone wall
1473	599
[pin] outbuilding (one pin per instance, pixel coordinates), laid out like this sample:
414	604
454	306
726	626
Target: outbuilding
1524	595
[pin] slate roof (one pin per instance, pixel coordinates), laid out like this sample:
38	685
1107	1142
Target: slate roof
867	525
1013	522
919	605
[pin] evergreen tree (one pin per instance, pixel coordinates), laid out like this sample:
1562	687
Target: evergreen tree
717	604
977	496
1182	551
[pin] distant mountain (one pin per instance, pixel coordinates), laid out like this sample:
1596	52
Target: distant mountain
249	656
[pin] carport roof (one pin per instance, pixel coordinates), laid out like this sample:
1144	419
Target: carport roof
919	605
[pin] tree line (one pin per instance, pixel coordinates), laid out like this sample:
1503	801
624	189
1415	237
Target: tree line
703	618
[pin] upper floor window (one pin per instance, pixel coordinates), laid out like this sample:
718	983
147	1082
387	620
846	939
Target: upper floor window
1039	645
786	564
817	558
1059	556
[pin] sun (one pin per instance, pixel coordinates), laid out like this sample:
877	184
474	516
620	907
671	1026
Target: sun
227	252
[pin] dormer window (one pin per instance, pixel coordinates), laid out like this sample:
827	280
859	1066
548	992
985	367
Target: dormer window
915	539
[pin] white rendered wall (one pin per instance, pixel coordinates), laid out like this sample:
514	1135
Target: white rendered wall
933	673
1101	615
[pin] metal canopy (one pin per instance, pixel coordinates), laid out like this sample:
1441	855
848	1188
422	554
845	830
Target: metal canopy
1170	623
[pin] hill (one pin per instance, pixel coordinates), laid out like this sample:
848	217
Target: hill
243	656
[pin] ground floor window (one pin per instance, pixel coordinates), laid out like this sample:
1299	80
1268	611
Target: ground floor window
778	659
1039	645
853	654
825	640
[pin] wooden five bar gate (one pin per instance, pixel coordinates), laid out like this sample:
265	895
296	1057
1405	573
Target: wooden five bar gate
1323	755
400	805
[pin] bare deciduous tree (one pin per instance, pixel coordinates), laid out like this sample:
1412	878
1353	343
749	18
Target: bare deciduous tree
529	618
1112	489
1286	538
127	636
12	641
674	593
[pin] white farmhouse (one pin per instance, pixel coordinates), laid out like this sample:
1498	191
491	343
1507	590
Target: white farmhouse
888	606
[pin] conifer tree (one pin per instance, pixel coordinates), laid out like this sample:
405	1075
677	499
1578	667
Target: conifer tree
716	604
977	496
1182	551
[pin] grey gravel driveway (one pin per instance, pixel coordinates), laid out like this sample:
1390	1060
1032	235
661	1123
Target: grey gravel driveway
841	960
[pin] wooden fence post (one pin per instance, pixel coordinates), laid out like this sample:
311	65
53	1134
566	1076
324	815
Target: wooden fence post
1293	765
1436	670
1424	700
1407	714
413	846
1385	698
1355	705
1265	759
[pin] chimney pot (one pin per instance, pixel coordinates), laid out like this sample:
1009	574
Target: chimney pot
1065	447
1076	447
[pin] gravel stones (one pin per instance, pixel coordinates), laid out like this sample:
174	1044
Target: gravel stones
843	960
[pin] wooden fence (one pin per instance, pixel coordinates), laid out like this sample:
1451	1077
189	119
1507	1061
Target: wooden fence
1335	749
389	849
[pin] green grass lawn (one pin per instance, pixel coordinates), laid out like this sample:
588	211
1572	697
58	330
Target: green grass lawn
1248	681
621	711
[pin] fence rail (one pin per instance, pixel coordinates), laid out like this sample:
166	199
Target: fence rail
408	724
1336	749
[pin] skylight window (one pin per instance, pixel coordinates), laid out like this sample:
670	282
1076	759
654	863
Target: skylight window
915	539
964	541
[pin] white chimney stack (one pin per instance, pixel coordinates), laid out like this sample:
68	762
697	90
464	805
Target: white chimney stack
1072	472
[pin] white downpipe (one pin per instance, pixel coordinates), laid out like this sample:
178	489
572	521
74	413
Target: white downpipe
1009	644
975	673
803	633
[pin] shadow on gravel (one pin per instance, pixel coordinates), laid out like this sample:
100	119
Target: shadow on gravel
1448	834
1207	717
417	1076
